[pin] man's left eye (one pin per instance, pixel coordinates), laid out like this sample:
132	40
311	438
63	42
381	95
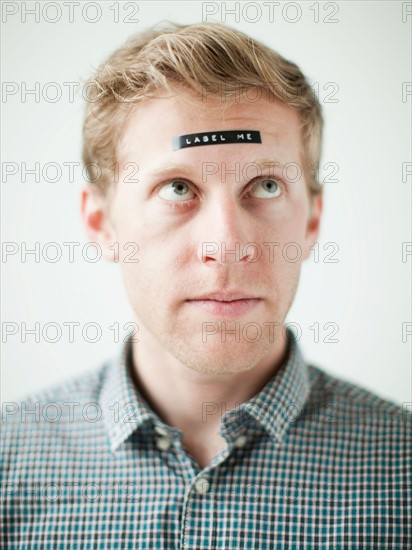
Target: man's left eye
266	188
176	190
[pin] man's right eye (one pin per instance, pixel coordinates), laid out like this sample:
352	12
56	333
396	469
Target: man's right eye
176	190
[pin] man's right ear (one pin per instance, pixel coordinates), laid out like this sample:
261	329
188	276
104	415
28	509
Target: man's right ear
97	222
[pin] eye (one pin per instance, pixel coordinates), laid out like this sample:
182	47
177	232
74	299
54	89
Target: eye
176	190
266	188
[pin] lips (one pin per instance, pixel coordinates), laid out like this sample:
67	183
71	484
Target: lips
225	303
225	296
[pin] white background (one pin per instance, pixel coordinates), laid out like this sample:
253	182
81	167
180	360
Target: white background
366	54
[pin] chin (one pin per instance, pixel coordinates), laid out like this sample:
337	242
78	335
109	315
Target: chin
223	358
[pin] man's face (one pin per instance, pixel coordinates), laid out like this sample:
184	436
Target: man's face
214	222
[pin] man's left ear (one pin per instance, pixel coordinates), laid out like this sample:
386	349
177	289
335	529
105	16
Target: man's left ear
313	225
99	228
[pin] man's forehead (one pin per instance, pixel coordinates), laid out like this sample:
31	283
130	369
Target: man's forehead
163	161
183	115
158	129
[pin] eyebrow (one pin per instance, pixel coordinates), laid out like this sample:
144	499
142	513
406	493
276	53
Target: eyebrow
170	169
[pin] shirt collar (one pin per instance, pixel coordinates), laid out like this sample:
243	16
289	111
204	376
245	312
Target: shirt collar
125	409
275	407
281	401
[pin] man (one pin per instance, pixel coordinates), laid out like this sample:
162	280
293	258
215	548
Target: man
208	430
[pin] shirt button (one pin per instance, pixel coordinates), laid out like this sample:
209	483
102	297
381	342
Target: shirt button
201	485
240	441
161	431
163	443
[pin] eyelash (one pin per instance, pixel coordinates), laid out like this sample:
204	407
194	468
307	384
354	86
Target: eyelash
186	203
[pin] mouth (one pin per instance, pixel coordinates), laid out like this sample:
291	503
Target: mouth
225	304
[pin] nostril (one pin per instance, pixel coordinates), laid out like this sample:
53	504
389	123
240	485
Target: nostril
225	253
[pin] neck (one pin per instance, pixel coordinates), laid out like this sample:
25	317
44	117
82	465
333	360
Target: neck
195	401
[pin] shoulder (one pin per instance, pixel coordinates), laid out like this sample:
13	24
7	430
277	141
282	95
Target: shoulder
350	398
60	408
344	410
82	386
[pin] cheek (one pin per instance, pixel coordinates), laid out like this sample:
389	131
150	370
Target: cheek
156	266
285	247
293	225
283	236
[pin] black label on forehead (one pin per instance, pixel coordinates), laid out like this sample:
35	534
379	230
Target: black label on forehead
213	138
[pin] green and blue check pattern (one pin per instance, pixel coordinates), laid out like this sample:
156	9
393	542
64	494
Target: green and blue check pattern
312	462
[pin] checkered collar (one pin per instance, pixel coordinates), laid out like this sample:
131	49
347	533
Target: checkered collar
274	408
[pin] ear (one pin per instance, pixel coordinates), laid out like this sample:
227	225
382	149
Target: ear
95	214
313	225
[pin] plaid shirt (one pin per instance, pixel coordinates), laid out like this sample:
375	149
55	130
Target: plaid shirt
312	462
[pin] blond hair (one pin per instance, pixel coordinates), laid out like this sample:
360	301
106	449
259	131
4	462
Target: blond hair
200	57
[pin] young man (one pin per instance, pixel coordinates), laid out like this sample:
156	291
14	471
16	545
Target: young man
209	430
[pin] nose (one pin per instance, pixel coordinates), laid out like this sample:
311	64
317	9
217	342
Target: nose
225	232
